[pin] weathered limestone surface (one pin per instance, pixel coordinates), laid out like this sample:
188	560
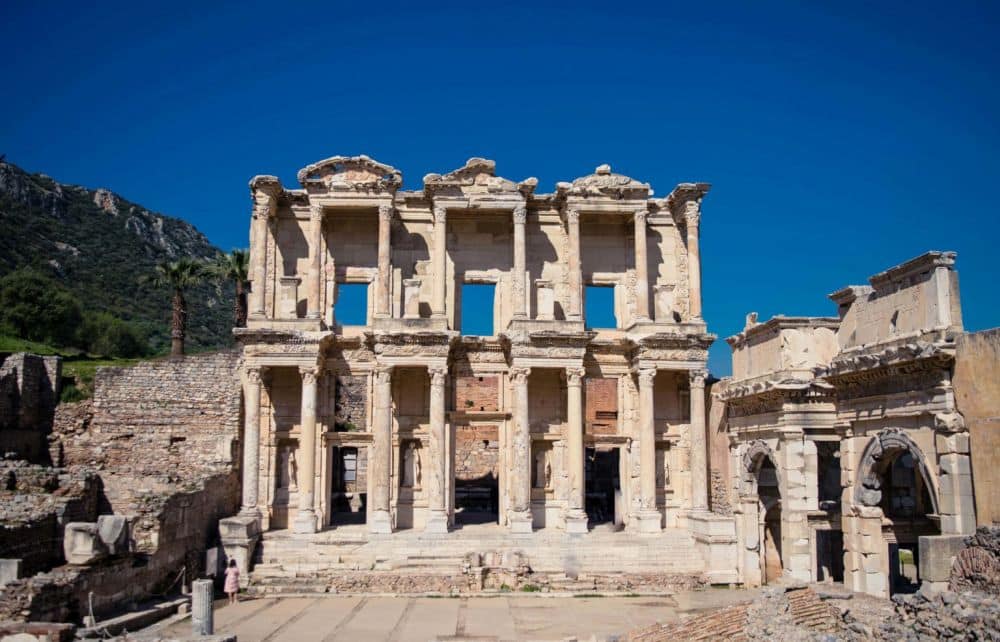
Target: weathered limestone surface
29	392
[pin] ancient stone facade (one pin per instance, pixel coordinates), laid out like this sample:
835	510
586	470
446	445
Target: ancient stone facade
545	423
29	392
846	443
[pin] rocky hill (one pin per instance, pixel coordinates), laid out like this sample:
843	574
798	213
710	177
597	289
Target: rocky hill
98	244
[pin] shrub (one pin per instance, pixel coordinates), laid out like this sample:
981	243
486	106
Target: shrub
35	307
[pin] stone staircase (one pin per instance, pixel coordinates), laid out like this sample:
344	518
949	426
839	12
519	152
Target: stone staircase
348	559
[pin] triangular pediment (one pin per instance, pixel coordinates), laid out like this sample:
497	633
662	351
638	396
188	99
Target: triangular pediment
604	182
476	177
350	173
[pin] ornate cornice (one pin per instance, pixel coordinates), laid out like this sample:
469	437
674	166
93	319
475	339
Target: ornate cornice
604	183
476	177
350	174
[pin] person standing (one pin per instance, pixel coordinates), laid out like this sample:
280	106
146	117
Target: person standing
232	586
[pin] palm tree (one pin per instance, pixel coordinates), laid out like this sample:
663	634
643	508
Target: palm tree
235	267
177	276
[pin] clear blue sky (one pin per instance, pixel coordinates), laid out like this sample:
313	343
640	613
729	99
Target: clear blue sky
840	138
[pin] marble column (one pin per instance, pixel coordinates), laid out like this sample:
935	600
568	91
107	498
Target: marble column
649	516
258	252
576	515
315	258
641	268
440	293
692	215
573	265
517	283
437	520
251	443
699	442
305	520
384	265
380	466
520	501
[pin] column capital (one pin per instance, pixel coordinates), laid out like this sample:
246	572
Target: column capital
315	212
697	378
646	376
520	375
309	374
253	374
383	373
573	216
438	375
440	214
520	215
692	213
574	376
385	212
640	215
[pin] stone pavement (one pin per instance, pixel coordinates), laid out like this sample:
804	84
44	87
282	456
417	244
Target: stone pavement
421	619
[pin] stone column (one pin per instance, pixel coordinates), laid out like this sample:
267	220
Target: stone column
251	443
699	443
384	265
438	305
692	214
380	466
576	515
573	265
520	508
315	258
258	251
641	268
437	521
649	516
305	520
517	283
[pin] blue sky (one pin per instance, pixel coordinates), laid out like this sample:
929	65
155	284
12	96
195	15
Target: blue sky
841	138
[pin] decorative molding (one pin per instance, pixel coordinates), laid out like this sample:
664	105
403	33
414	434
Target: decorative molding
520	215
574	376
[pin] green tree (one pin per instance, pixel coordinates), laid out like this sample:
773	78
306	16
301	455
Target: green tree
110	336
177	276
234	267
36	307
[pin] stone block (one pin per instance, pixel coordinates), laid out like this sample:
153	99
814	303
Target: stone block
113	531
82	543
10	570
876	583
937	553
955	464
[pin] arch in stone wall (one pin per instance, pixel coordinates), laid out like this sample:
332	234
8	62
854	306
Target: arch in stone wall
753	457
888	443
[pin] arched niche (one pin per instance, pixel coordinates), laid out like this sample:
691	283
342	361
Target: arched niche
883	449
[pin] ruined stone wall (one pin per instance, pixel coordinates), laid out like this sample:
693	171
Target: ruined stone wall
29	392
477	452
977	389
350	402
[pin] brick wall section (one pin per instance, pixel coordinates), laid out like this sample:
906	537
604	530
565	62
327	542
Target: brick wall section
477	393
477	452
600	414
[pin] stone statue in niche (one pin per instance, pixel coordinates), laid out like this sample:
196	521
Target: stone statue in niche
411	466
543	470
663	470
287	468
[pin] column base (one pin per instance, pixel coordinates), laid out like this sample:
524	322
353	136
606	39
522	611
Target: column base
520	522
576	522
381	523
437	523
305	522
650	521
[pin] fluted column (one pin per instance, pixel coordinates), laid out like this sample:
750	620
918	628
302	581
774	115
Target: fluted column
520	504
573	265
384	266
518	285
251	443
437	521
315	257
381	461
649	516
576	515
263	203
641	268
305	520
699	442
692	215
438	306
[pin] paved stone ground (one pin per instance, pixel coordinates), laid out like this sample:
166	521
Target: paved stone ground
420	619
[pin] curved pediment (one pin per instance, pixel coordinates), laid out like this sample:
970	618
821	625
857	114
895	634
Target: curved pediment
476	177
350	173
603	182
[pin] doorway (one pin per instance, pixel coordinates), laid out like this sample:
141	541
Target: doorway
603	485
348	499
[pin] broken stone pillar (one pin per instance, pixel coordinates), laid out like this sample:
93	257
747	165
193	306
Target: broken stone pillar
411	298
305	520
437	521
545	300
381	461
641	267
288	307
936	556
520	216
384	266
315	259
573	265
113	531
520	511
239	536
576	516
438	306
699	443
649	516
202	615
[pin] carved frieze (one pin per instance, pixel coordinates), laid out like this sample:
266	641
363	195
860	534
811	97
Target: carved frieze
350	174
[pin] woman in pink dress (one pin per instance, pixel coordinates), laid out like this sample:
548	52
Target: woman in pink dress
232	586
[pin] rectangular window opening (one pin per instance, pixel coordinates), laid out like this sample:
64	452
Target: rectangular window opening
477	309
352	304
599	311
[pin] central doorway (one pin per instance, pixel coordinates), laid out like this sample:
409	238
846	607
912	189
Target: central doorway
477	467
348	499
603	485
